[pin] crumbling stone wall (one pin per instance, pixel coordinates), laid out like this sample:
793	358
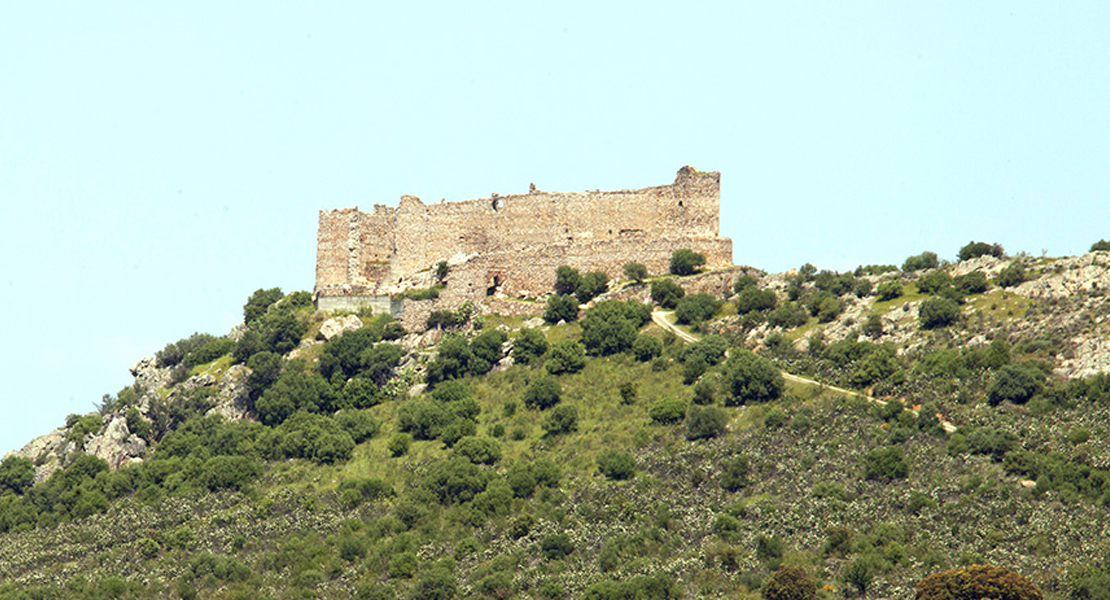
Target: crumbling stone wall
509	246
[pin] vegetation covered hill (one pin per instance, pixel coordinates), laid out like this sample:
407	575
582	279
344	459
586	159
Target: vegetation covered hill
601	457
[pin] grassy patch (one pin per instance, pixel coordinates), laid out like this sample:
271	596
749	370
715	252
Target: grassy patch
1000	304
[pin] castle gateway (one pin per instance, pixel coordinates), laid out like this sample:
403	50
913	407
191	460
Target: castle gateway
510	246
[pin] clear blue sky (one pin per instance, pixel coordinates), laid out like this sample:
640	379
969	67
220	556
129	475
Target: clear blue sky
158	164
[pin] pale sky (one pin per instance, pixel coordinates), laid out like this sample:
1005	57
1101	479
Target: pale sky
158	164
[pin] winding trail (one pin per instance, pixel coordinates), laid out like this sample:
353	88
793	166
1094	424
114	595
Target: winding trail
662	319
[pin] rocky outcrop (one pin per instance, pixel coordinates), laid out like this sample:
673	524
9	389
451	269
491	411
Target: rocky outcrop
47	452
149	376
115	444
233	401
336	326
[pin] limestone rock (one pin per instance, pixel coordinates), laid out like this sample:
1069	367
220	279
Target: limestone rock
233	401
149	376
47	451
115	444
337	325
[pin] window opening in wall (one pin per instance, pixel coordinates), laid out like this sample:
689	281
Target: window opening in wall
496	287
497	204
680	202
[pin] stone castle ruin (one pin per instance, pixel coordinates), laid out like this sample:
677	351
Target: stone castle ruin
507	247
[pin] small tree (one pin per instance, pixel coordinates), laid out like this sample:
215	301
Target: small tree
592	285
888	290
635	271
567	280
567	356
695	308
1100	246
937	312
543	393
750	378
1013	274
704	422
646	347
529	345
616	464
686	262
560	308
561	419
976	249
920	262
258	303
886	463
1012	383
666	293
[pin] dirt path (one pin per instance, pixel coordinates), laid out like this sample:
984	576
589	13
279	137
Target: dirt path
662	318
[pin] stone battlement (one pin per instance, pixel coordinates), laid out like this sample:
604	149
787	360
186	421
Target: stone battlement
509	246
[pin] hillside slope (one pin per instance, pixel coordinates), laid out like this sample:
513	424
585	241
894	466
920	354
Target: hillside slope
312	455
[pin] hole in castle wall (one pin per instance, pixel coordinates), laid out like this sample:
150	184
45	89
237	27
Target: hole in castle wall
497	204
680	202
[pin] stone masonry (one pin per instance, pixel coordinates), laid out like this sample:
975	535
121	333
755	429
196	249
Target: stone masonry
510	246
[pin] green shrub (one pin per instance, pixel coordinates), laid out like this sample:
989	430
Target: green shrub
611	326
17	474
258	303
666	293
1100	246
360	424
750	378
229	472
529	345
627	390
646	347
971	283
616	464
1013	274
567	280
567	356
561	419
556	546
705	392
485	349
668	411
560	308
399	444
744	282
753	299
888	290
862	288
478	450
886	463
423	418
1012	383
788	316
543	392
976	249
937	312
454	480
769	550
775	418
734	473
920	262
593	284
695	308
933	282
635	271
829	309
686	262
704	422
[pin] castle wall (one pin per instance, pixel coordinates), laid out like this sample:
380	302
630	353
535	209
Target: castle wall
515	243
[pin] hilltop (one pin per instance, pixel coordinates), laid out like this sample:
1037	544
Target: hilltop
957	416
